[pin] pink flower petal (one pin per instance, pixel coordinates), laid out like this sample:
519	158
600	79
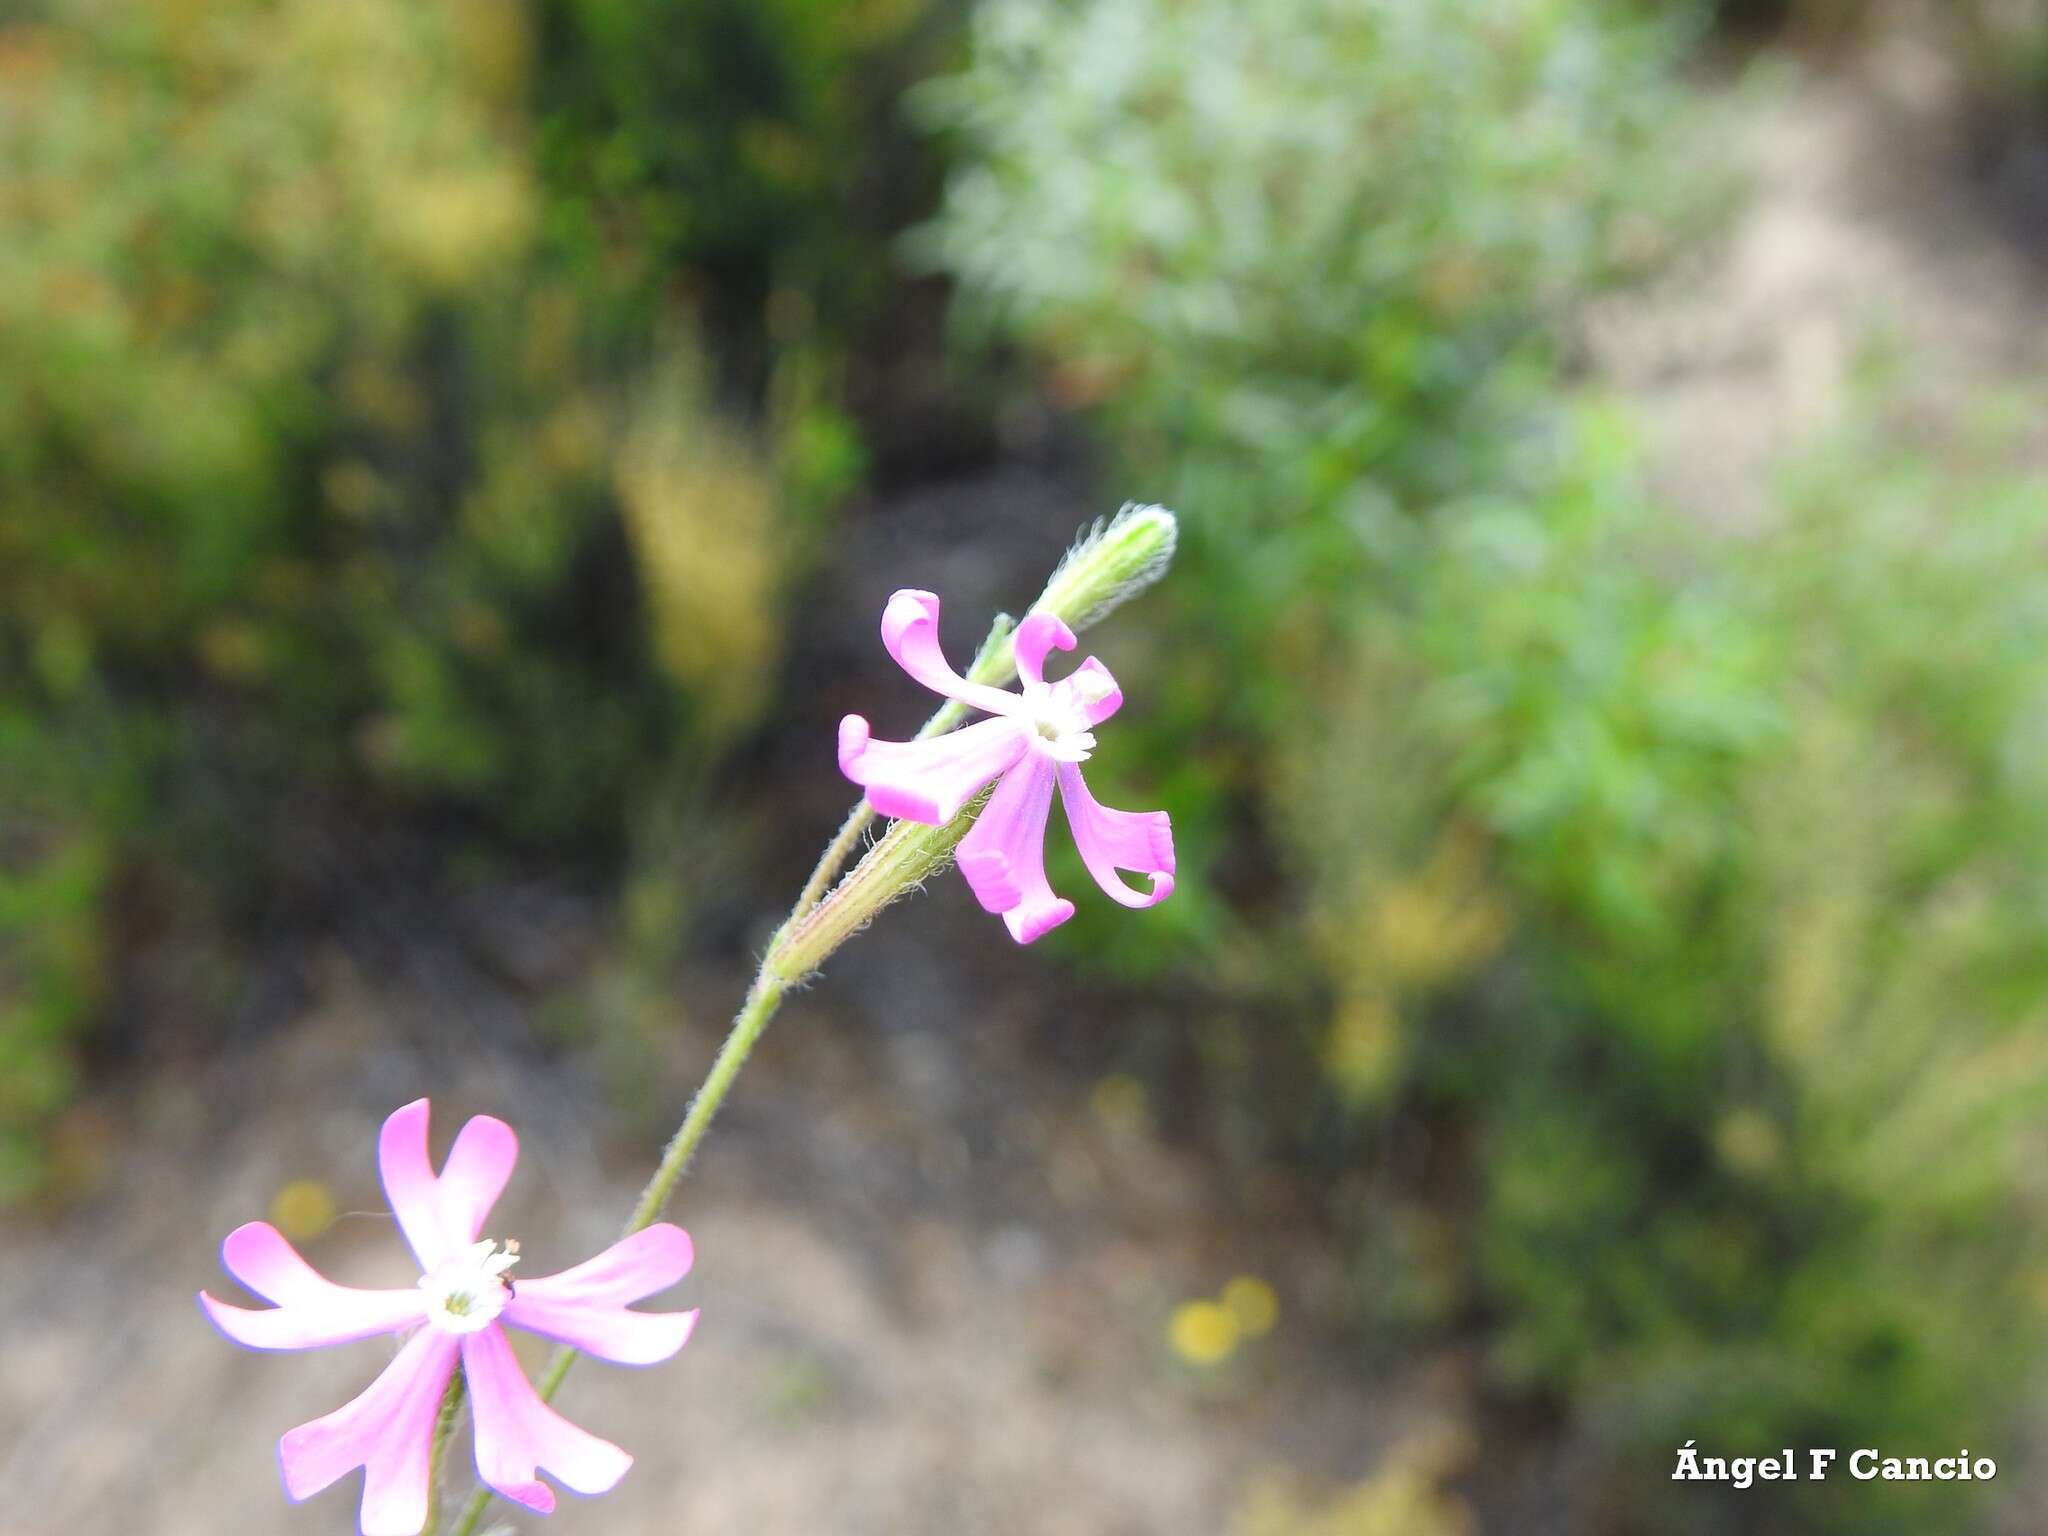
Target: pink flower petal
1110	840
518	1436
1003	854
631	1270
1094	691
910	629
311	1310
388	1431
586	1306
440	1216
1038	634
409	1183
617	1334
928	781
478	1168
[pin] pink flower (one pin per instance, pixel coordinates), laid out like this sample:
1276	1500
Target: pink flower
466	1292
1034	741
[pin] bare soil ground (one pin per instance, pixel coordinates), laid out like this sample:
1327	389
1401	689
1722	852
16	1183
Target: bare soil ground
1875	217
933	1283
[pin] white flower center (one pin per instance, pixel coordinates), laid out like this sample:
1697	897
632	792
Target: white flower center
1058	727
465	1294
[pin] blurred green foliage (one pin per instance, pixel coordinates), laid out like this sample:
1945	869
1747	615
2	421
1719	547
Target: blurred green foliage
1309	259
405	406
1683	895
1754	1125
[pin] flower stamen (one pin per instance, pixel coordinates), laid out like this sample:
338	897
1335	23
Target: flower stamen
466	1293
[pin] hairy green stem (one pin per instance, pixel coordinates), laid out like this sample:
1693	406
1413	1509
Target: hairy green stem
444	1430
1117	559
994	664
763	998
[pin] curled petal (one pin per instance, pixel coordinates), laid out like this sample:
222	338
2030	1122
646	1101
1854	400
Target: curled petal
587	1306
1037	635
1110	840
1094	692
311	1310
388	1431
928	781
1003	854
440	1216
518	1436
910	629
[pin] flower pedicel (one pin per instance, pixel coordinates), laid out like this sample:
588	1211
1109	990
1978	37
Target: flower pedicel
467	1291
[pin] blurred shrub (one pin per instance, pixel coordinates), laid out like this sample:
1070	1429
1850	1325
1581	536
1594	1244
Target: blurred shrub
1679	900
1308	259
738	149
1755	1118
356	450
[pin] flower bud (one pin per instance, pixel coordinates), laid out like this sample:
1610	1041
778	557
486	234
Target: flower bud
1113	562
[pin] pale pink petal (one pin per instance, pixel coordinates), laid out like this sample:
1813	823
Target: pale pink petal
586	1306
1093	691
478	1168
311	1310
1110	840
1038	634
631	1270
928	781
410	1185
1003	854
518	1436
910	629
388	1431
617	1334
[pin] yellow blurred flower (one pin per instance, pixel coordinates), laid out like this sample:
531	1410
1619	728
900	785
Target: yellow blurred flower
1202	1332
1253	1304
303	1208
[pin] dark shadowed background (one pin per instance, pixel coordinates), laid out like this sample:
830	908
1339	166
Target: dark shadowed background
454	454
